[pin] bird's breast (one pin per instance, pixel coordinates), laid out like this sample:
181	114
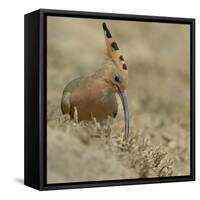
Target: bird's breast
96	103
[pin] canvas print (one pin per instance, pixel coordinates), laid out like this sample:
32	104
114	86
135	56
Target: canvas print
118	99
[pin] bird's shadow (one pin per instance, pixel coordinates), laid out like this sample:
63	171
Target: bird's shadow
19	181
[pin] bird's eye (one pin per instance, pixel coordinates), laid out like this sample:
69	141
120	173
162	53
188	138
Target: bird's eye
116	78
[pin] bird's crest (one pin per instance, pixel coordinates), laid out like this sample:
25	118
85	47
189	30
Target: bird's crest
113	49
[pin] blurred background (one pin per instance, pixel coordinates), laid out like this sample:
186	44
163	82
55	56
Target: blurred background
157	56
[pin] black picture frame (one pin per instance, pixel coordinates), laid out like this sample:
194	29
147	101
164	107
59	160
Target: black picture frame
35	86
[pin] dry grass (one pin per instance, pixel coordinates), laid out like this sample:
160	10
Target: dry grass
158	59
89	144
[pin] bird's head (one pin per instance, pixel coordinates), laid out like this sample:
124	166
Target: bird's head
117	73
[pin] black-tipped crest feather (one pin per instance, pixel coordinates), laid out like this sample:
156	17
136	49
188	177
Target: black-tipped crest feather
107	32
114	46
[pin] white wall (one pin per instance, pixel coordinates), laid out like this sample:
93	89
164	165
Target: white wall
11	97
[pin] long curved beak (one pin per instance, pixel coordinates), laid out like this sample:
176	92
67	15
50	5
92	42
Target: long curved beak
124	99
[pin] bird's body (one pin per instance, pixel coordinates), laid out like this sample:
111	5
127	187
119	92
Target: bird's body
91	96
95	96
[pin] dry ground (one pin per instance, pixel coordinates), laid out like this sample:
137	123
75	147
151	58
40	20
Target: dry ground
157	56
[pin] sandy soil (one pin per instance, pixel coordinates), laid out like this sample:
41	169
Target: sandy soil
157	56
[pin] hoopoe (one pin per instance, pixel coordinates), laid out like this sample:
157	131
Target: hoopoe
95	96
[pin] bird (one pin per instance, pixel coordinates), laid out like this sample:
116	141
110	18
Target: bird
94	96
